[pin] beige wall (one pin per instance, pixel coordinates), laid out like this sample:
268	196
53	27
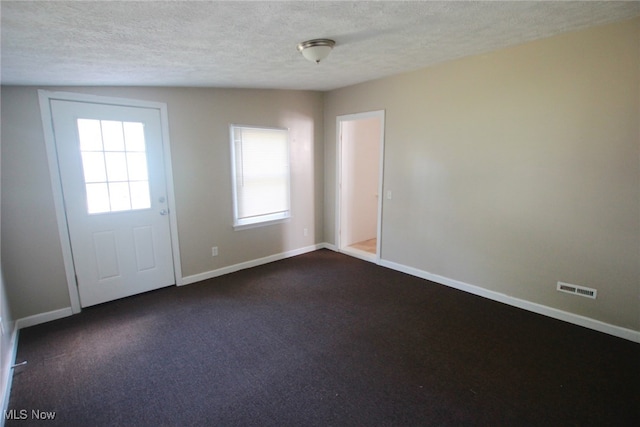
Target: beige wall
31	256
199	130
515	169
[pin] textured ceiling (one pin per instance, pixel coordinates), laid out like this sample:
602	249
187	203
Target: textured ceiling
253	44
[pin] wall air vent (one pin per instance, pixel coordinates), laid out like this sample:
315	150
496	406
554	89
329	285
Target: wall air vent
577	290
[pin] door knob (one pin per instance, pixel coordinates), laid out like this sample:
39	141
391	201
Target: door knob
164	212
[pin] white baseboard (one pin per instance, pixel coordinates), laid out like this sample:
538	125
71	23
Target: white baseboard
618	331
7	373
576	319
37	319
248	264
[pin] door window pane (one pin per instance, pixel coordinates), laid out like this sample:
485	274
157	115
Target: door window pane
98	198
112	135
140	195
90	135
93	165
137	166
114	162
134	136
116	166
119	196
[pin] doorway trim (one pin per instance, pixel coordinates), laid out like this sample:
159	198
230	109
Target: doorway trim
380	115
45	97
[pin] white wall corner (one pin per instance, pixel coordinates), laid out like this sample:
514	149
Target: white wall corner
329	246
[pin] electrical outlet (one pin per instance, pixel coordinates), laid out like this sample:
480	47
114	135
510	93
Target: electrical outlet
214	251
306	232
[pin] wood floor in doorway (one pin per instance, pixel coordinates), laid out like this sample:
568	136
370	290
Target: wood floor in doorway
366	245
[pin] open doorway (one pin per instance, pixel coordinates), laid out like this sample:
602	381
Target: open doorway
359	190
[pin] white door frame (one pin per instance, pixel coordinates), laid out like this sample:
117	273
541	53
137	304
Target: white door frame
380	114
45	97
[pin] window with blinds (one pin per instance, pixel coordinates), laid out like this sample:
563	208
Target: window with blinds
260	159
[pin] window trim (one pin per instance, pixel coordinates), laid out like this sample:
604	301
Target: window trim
265	219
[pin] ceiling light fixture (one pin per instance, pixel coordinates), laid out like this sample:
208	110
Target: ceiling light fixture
316	50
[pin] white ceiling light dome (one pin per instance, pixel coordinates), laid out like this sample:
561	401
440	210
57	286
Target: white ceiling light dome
317	49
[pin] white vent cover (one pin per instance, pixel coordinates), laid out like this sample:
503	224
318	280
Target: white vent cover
577	290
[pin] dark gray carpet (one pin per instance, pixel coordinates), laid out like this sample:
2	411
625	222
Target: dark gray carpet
321	339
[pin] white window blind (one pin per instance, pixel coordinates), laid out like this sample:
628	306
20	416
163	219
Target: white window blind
260	173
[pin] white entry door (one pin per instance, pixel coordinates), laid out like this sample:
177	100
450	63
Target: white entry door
112	173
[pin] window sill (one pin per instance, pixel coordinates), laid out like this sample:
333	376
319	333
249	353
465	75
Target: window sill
261	223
